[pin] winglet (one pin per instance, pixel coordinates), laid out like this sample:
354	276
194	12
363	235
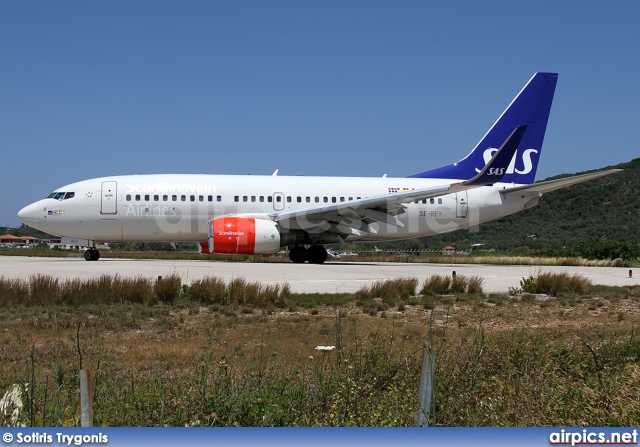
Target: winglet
497	166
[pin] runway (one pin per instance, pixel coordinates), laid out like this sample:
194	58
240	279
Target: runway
341	277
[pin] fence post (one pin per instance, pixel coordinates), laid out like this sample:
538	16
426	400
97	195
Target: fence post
426	387
86	400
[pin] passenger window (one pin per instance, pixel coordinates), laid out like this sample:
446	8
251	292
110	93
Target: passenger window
183	198
289	199
440	201
350	198
432	201
192	198
278	199
210	198
156	198
219	198
236	198
424	201
269	199
317	199
128	197
253	198
201	198
261	198
342	199
165	198
174	197
137	197
325	199
299	199
245	198
333	199
146	197
308	199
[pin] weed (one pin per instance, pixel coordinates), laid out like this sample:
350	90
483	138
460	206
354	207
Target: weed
390	290
209	290
436	284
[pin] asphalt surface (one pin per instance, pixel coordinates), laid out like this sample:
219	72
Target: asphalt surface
303	278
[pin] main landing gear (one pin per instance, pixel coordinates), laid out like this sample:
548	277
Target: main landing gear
91	254
316	254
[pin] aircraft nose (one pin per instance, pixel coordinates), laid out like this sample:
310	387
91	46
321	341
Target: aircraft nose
30	214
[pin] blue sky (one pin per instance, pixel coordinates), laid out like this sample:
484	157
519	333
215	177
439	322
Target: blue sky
362	88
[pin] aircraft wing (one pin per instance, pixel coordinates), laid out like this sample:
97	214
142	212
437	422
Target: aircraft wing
355	216
552	185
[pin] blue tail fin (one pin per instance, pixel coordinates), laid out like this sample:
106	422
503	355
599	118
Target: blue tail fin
531	108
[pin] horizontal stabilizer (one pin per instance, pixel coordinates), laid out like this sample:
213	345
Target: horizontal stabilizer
552	185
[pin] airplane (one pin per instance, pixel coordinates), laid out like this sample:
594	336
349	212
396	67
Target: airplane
262	214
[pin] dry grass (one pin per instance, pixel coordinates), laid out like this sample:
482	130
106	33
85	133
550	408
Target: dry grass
500	361
556	283
442	284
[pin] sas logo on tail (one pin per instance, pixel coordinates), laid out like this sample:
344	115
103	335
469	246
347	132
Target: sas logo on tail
527	163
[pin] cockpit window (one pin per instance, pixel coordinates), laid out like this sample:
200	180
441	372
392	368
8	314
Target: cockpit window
61	195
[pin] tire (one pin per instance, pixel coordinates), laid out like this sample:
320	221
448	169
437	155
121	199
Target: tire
91	255
317	254
298	255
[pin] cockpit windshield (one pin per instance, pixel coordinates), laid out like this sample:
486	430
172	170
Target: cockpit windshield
61	195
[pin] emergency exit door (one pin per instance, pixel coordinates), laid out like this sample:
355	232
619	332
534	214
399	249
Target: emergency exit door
461	204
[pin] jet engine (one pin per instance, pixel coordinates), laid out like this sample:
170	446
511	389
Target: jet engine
244	235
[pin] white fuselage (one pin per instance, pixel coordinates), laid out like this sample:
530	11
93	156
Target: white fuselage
178	207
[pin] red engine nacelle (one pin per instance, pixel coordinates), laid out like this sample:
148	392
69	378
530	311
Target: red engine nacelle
244	235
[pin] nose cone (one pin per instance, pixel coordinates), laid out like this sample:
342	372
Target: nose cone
30	214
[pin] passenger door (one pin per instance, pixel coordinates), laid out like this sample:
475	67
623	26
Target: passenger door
109	198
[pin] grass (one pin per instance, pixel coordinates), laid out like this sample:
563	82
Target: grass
224	354
43	290
555	284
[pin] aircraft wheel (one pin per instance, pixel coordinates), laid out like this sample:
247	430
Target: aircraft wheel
91	255
317	254
298	254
